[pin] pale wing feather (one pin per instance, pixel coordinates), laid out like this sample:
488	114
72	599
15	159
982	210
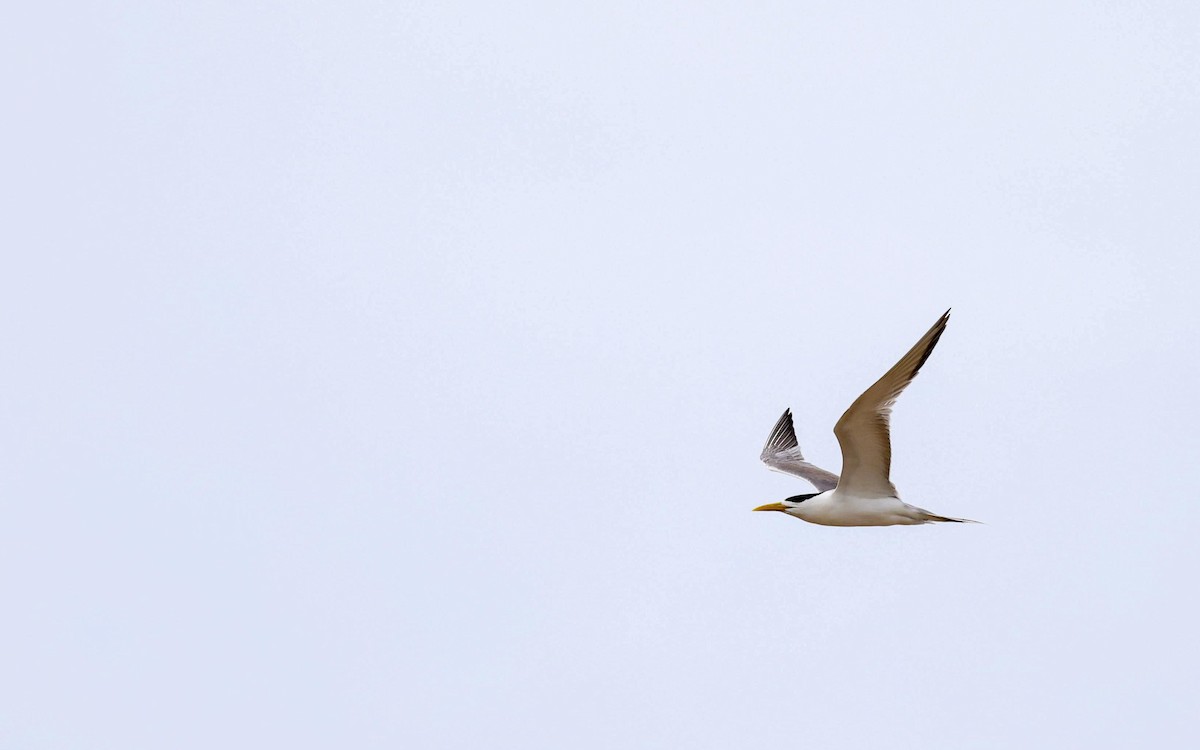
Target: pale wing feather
782	453
863	431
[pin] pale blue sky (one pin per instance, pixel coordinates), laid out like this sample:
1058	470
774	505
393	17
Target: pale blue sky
388	375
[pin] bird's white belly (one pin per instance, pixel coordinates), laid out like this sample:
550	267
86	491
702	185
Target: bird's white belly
831	509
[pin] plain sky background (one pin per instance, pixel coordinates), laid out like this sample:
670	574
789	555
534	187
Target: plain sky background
393	375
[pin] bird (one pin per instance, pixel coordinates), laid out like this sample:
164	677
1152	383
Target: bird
863	495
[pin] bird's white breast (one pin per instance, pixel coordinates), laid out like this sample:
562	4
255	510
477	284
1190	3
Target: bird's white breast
834	509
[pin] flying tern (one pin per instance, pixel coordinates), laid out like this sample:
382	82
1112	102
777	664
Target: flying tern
863	495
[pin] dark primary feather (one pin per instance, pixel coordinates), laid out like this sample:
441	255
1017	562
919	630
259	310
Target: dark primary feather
783	435
782	453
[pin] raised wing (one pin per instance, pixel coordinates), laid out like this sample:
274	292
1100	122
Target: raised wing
782	453
863	431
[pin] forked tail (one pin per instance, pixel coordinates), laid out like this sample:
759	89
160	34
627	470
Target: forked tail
931	518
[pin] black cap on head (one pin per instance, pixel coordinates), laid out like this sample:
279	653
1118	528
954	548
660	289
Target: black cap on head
800	498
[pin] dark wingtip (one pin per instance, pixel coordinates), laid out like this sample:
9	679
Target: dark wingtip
940	328
783	434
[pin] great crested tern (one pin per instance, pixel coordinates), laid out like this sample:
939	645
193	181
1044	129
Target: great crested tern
863	495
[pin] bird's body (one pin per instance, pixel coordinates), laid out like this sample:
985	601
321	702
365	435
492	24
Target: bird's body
863	495
834	508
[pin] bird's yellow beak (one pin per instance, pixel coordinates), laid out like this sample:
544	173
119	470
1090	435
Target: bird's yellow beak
772	506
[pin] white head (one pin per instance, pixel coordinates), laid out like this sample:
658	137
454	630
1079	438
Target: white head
788	503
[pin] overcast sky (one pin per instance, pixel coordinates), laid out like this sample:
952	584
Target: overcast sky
393	375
